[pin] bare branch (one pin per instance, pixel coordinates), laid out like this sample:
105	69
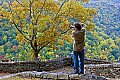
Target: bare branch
20	3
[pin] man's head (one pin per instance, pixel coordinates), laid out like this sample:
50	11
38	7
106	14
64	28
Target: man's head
77	25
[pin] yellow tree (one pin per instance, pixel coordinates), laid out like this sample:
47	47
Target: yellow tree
42	23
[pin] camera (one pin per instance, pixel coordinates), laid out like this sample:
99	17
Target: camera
71	26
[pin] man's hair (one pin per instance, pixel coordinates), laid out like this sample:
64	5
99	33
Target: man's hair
78	25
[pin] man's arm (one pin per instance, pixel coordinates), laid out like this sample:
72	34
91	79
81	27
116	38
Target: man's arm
83	27
73	34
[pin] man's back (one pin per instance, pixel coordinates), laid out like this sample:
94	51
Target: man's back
79	37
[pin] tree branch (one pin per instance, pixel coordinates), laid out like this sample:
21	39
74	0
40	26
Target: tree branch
65	31
56	15
44	45
59	10
31	42
16	25
20	3
30	6
20	31
40	12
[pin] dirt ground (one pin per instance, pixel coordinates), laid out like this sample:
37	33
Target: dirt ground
4	74
63	70
67	69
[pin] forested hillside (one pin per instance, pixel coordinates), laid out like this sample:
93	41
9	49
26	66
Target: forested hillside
101	43
106	41
108	17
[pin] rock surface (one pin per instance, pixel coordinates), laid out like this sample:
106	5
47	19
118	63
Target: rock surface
54	76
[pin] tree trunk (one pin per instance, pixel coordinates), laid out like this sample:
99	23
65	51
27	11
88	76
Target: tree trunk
35	55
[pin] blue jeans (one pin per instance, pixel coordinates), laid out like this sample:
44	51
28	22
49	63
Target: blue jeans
73	57
79	54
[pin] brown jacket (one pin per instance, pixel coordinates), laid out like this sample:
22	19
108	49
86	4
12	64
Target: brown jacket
79	37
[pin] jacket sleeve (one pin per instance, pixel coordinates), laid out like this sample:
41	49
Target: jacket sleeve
73	34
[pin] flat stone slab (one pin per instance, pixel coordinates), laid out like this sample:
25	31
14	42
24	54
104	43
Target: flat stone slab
11	75
54	76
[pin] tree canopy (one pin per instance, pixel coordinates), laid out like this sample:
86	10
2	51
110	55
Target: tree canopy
42	23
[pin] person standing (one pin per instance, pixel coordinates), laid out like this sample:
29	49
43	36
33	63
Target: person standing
78	47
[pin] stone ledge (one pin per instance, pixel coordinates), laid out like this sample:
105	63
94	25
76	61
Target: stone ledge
54	76
20	66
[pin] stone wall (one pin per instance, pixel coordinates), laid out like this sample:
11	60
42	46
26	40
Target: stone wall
15	67
107	70
92	72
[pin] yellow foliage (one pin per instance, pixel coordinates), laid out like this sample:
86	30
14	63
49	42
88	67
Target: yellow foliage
7	55
88	55
19	37
2	49
64	25
57	56
5	37
61	42
43	57
19	55
90	26
50	53
100	38
15	4
86	1
38	55
89	51
114	46
67	38
86	44
117	40
111	41
0	8
32	55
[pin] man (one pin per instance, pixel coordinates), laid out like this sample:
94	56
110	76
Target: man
78	47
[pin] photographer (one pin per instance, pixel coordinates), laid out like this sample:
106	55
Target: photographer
78	47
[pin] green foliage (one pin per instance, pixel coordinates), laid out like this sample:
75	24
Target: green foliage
48	53
101	46
103	42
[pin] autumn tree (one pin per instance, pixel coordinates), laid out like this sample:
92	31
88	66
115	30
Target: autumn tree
42	23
